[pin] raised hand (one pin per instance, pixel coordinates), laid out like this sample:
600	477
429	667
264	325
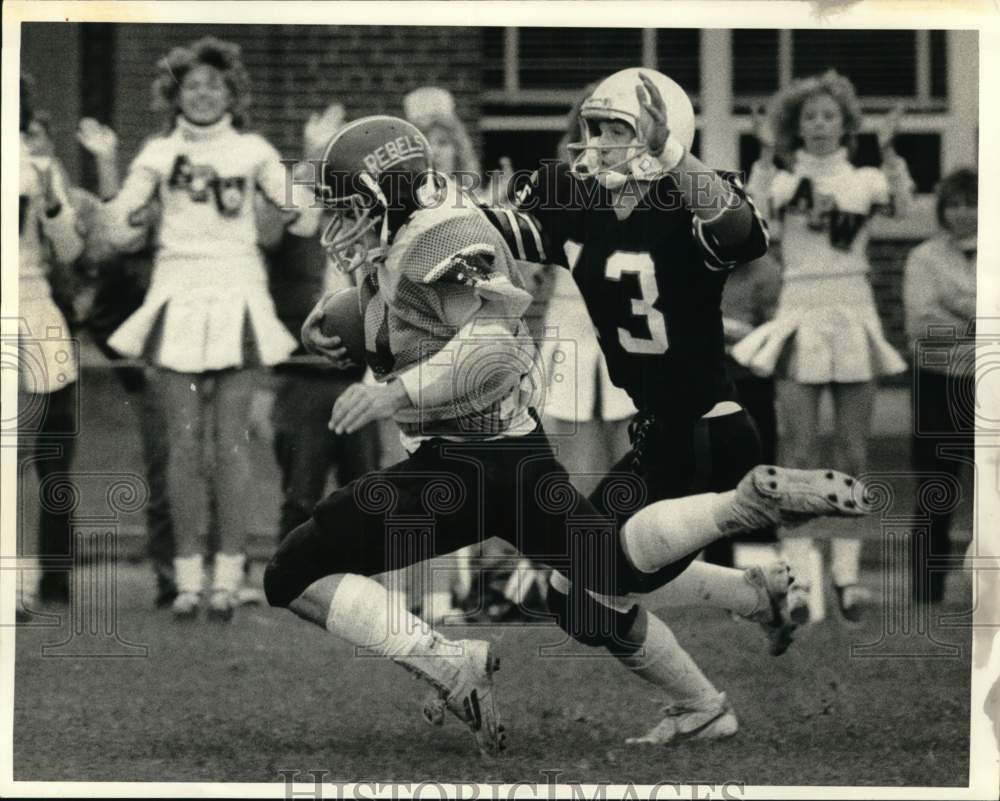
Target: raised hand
98	140
888	125
320	128
653	117
762	128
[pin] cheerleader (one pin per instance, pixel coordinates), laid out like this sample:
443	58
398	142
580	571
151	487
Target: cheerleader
826	335
47	358
207	322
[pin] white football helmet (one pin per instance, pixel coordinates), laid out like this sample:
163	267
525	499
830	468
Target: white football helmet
615	99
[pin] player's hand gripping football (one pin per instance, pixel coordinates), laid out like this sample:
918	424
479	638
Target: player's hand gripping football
653	119
315	341
361	404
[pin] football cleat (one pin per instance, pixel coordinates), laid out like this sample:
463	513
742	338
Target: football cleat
770	496
185	606
779	610
716	721
472	698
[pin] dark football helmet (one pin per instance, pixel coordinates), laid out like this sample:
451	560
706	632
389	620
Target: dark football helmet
376	172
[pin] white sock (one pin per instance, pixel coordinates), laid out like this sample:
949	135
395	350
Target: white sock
704	584
188	573
845	560
665	664
29	575
365	614
806	563
666	531
228	572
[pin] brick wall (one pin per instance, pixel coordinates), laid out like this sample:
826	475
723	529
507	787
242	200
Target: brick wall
296	70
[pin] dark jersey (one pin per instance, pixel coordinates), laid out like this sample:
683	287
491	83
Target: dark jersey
652	284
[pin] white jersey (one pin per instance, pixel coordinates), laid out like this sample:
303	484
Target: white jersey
208	269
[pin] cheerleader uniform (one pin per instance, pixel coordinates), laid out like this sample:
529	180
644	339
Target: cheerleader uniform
207	314
208	306
826	328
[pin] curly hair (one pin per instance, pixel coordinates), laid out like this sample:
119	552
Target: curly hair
466	159
786	109
962	185
224	56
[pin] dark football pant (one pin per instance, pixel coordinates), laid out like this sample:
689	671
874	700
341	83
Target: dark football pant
671	461
448	495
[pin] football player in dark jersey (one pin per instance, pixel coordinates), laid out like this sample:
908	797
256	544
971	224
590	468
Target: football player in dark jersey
650	232
442	303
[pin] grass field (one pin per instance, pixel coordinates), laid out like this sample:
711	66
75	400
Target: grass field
269	693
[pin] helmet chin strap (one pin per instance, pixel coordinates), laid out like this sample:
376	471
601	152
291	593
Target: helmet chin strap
586	165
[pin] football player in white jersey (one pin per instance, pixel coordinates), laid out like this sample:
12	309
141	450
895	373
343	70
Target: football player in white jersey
442	304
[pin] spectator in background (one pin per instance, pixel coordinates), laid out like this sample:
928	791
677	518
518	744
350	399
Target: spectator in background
826	335
939	296
47	360
121	280
207	321
432	110
305	448
748	301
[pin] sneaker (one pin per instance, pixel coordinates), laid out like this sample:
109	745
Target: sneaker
774	612
714	722
851	601
250	596
185	606
472	699
799	594
769	496
221	606
166	594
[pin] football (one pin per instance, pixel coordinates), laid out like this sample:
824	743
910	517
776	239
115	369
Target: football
342	318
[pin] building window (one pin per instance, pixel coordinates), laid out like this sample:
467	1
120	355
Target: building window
678	54
755	62
879	63
886	66
570	58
